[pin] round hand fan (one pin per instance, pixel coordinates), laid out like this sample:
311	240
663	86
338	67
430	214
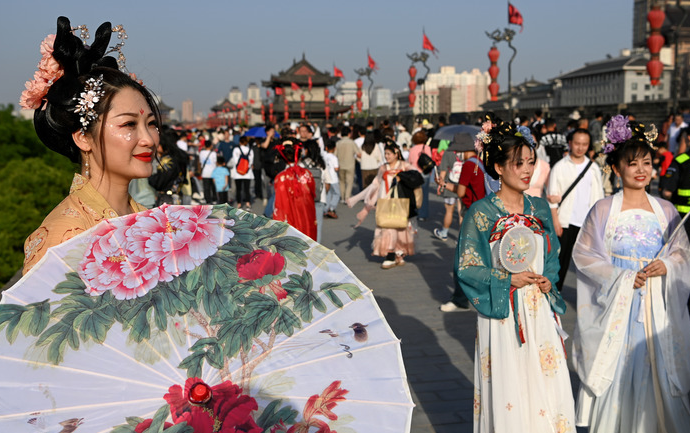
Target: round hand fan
517	249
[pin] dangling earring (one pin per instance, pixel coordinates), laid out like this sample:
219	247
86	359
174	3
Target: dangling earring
87	173
500	182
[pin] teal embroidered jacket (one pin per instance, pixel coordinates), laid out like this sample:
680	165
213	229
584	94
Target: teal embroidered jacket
488	288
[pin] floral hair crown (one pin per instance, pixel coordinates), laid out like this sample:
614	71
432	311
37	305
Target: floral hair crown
495	129
621	129
50	70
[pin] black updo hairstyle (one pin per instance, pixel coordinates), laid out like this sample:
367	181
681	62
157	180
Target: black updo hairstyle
288	150
56	120
505	145
636	146
393	147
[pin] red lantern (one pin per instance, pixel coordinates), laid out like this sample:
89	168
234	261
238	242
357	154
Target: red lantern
656	17
268	94
270	109
287	110
412	71
359	83
359	106
359	94
493	89
327	110
301	97
494	54
411	97
655	68
326	92
493	71
655	41
412	85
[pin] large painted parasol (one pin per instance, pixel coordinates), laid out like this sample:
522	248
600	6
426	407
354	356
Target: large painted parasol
197	318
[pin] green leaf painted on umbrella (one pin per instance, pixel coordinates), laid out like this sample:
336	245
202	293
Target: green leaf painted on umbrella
271	232
333	297
306	299
229	336
176	299
291	248
352	290
94	325
159	418
58	336
287	322
244	233
272	415
193	363
192	278
73	284
10	315
261	311
159	315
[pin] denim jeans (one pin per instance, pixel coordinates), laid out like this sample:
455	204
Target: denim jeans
423	211
333	196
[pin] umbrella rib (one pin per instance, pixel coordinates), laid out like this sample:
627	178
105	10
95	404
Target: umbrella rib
83	406
87	372
335	355
175	369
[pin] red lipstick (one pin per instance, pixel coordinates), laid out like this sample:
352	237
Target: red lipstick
146	157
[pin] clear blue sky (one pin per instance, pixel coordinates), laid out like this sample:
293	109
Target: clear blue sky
200	49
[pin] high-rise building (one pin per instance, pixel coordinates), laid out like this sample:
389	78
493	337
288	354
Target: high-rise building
187	110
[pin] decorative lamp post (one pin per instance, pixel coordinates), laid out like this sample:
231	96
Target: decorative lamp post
493	72
412	84
302	111
287	109
418	58
507	36
326	101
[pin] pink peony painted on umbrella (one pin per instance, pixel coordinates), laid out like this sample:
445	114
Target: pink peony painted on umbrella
109	264
133	255
181	239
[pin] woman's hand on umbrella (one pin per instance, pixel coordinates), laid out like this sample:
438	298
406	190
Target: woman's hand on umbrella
655	269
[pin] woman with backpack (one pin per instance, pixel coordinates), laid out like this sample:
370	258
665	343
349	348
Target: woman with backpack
242	161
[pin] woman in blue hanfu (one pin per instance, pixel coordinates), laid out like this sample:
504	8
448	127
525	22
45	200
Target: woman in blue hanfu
632	341
507	265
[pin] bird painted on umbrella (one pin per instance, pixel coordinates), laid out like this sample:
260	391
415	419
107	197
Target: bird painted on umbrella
68	426
358	334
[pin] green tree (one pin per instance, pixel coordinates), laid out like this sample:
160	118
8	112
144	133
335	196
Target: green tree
33	180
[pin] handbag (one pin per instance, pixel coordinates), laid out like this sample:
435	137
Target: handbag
425	162
392	212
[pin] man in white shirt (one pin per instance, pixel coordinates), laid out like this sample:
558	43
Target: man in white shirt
674	132
569	212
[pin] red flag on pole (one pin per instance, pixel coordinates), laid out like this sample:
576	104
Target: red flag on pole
514	16
309	83
294	86
372	63
279	91
427	45
337	72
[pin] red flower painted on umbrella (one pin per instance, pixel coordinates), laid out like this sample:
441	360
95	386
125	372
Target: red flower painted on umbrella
228	410
262	267
320	405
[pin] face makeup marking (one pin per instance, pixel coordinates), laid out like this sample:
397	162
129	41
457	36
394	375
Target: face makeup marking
141	111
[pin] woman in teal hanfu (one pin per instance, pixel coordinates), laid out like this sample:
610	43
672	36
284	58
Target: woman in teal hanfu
521	376
631	347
